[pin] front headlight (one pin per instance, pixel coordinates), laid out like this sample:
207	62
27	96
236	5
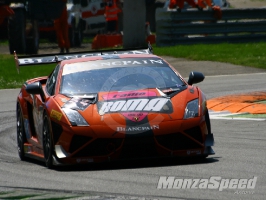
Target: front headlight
74	117
192	109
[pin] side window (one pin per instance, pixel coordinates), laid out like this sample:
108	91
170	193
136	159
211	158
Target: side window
50	85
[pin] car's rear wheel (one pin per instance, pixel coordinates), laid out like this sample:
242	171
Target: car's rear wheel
47	142
21	137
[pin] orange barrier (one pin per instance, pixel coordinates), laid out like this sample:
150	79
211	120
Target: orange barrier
151	39
101	41
249	102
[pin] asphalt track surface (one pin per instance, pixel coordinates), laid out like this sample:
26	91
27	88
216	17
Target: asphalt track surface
239	145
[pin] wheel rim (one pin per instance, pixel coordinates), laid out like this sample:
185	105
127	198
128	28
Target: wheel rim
46	140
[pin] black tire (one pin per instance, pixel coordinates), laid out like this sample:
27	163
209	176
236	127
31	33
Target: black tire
76	34
21	136
16	32
32	40
208	122
48	148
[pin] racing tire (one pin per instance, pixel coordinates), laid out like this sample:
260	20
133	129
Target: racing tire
32	40
208	122
21	135
76	34
16	32
48	148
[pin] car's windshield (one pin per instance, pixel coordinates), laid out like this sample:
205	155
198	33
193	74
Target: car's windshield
117	75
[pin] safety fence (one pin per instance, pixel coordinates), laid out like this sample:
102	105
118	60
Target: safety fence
193	26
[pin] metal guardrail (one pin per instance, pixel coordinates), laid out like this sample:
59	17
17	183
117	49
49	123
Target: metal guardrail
193	26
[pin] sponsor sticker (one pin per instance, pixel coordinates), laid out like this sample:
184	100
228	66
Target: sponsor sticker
144	104
49	59
191	152
107	63
134	105
56	115
137	128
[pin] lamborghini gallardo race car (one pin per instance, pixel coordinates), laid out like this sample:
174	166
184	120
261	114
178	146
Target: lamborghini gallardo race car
110	105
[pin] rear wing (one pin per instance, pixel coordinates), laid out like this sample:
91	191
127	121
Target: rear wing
55	58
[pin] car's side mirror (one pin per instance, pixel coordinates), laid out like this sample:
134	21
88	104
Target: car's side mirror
195	77
35	88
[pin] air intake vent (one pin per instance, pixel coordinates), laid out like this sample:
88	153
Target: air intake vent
100	147
177	141
57	131
77	142
139	147
195	132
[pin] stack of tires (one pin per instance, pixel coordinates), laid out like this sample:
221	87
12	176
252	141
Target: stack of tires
23	28
23	34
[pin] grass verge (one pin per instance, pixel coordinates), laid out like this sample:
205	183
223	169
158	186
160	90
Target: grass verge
248	54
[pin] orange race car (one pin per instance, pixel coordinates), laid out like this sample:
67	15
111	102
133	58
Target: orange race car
111	105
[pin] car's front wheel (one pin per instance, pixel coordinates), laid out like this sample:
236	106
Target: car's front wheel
47	142
21	137
208	122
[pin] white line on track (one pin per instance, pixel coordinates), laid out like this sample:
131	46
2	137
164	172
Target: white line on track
231	116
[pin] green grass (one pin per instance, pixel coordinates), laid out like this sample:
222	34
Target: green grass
9	77
250	54
88	39
14	195
263	102
20	197
3	42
